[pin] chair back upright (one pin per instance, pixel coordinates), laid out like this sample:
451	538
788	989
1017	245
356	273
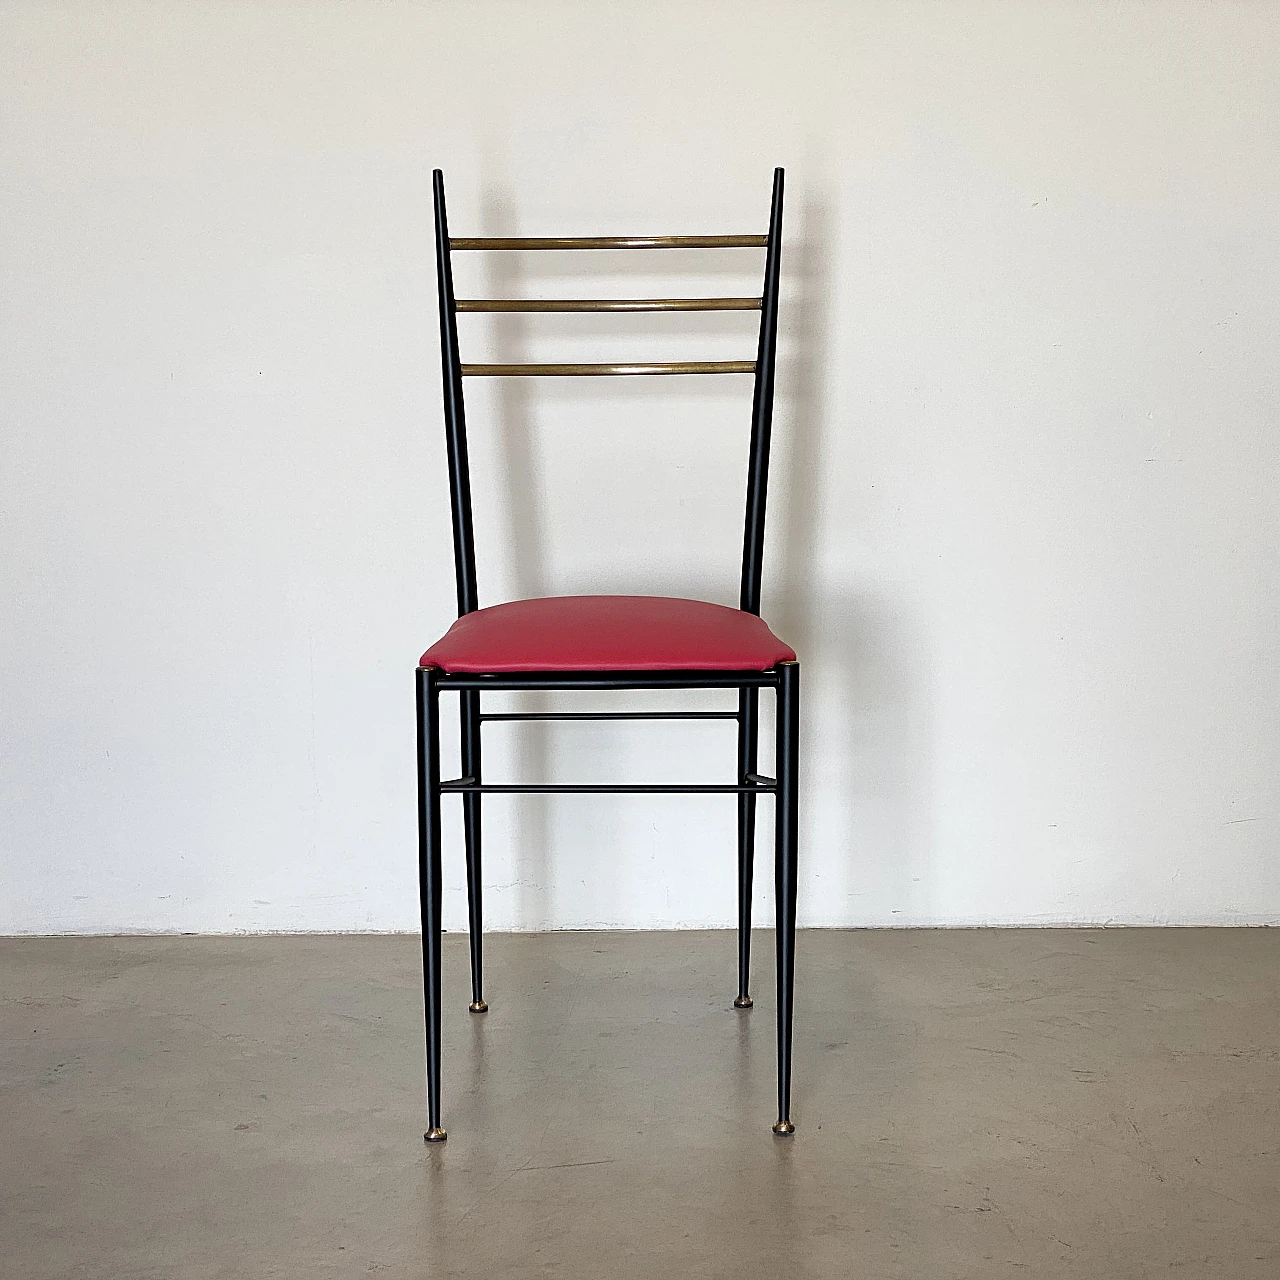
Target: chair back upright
761	368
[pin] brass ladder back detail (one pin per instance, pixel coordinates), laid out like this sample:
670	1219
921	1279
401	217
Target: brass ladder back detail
606	304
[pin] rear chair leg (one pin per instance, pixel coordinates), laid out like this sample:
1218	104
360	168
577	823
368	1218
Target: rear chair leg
748	738
786	834
470	719
429	888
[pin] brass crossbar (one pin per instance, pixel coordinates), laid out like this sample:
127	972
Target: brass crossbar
596	370
609	242
608	304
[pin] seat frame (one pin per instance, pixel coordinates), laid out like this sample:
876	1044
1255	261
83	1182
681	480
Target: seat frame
783	677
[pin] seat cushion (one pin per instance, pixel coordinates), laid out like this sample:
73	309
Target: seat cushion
607	633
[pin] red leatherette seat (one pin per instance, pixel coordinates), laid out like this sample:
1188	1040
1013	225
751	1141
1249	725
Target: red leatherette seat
607	633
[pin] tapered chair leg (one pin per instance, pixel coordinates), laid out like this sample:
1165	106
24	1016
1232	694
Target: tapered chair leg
748	738
787	838
470	720
429	882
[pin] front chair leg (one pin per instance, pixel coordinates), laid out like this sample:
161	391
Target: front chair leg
429	886
786	834
748	737
470	719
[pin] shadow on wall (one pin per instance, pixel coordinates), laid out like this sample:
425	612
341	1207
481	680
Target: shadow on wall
867	716
867	713
525	539
524	524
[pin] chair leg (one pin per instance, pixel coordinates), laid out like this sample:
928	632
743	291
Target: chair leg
786	834
469	706
429	886
748	738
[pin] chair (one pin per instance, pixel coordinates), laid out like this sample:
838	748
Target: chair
608	642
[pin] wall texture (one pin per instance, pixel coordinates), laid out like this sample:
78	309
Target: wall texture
1024	507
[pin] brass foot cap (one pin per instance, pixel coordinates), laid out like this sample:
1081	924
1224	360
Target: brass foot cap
434	1135
784	1128
478	1006
743	1002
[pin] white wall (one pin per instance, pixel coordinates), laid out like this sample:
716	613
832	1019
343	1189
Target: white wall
1023	524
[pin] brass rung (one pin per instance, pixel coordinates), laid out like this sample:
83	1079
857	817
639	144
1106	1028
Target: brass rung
608	304
610	242
589	370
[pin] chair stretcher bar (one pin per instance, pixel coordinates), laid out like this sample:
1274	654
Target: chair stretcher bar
608	242
598	370
467	785
608	304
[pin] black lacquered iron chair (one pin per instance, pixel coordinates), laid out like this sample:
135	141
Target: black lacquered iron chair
609	642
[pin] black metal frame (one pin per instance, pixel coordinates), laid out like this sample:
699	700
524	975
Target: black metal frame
784	678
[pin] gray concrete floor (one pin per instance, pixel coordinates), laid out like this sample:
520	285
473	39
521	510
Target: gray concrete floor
1043	1103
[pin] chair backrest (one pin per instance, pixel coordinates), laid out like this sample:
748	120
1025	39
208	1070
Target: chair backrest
762	367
